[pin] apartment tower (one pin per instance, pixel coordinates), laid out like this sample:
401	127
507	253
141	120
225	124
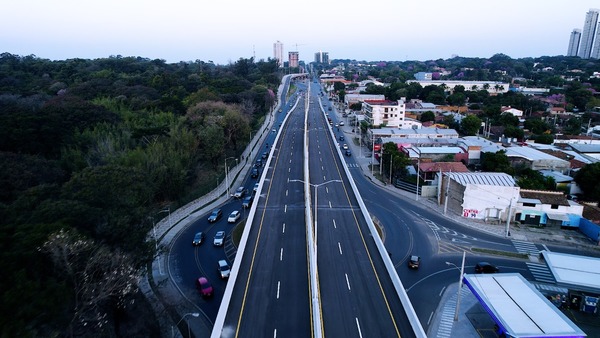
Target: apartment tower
278	52
589	32
574	42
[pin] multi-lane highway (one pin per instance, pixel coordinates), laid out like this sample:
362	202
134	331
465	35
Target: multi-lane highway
271	295
357	296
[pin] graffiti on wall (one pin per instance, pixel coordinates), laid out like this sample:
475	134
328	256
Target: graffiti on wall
470	213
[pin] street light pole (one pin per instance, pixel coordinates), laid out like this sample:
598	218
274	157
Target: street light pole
227	175
193	314
462	272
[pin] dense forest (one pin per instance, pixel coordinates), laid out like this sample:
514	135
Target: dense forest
90	151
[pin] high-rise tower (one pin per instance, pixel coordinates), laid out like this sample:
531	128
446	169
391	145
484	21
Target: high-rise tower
278	52
574	42
589	32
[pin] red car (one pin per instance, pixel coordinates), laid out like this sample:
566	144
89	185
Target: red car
204	287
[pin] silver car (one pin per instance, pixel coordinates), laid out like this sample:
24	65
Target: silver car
224	269
219	238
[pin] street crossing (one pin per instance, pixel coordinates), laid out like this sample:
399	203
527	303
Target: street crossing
526	248
540	272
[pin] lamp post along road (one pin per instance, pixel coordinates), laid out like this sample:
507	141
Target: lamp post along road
462	272
193	314
227	174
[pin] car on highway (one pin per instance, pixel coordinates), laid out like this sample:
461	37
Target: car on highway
219	238
348	153
234	216
342	123
240	192
255	189
342	138
329	108
414	262
254	173
215	215
198	238
224	269
485	267
259	163
204	287
345	146
247	203
264	155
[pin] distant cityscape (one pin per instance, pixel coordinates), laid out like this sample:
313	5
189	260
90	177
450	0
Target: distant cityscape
586	44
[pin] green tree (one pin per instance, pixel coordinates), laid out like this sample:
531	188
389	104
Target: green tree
496	162
427	116
533	179
544	138
470	125
587	180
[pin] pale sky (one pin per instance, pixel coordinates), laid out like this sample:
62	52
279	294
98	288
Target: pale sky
222	31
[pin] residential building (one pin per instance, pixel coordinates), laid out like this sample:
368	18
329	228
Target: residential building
407	137
350	99
511	110
322	57
384	112
278	53
423	76
547	208
589	32
574	42
492	87
294	59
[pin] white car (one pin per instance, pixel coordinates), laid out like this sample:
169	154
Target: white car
224	269
255	189
240	192
219	238
234	216
345	146
342	123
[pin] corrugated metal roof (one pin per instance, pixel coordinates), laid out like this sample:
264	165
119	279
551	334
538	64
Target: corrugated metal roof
494	179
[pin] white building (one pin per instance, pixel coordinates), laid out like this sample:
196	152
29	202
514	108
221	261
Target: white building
486	196
384	112
574	42
547	208
513	111
278	53
350	99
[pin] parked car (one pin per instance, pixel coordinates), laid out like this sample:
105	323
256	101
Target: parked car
485	267
234	216
254	173
240	192
219	238
215	215
224	269
342	123
348	153
198	239
204	287
247	203
414	262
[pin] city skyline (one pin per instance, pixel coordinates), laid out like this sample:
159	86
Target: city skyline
223	33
